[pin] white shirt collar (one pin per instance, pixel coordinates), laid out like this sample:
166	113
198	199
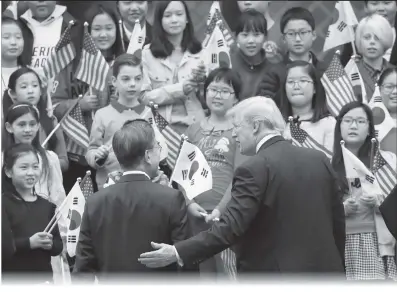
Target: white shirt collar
136	172
264	140
129	33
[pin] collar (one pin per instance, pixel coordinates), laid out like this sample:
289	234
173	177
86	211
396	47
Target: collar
56	14
264	140
374	73
136	172
248	62
129	33
121	108
311	58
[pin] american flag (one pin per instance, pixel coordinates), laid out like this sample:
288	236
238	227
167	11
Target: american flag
63	54
301	138
76	131
93	68
338	88
172	138
87	186
384	173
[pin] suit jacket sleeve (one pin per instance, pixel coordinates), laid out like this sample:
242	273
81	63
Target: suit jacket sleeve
178	219
7	238
86	264
249	187
388	210
338	210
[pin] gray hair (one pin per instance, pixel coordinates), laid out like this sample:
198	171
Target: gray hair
260	108
131	142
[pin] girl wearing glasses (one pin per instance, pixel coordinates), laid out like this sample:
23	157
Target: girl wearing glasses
213	136
388	90
365	257
303	98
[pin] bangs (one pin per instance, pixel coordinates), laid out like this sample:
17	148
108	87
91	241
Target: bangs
252	21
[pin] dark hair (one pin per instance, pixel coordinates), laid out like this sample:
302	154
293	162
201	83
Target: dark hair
297	13
319	102
45	121
227	75
16	111
125	60
117	48
21	60
131	142
161	47
364	152
251	21
10	157
386	73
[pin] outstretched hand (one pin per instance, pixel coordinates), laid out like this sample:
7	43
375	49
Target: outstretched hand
162	256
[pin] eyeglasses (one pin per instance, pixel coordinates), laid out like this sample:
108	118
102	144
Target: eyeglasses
301	83
388	88
224	94
360	121
302	34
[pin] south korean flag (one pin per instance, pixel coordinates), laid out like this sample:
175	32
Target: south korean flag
383	121
192	171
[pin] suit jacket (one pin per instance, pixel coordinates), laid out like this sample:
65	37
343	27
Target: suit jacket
120	222
388	210
285	215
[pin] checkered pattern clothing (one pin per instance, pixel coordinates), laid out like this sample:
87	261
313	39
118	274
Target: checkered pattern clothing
363	261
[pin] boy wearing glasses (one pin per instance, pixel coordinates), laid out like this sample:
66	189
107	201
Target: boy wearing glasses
298	28
128	80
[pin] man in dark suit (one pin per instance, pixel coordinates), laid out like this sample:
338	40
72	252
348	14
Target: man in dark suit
285	215
120	221
388	209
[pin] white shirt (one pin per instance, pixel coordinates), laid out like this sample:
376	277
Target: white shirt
136	172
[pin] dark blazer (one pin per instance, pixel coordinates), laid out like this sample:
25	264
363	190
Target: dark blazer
285	215
388	210
120	222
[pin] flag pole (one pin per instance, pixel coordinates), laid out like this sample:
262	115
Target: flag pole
371	161
342	144
121	34
61	121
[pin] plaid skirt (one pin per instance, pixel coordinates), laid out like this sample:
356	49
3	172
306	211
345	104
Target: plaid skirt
363	261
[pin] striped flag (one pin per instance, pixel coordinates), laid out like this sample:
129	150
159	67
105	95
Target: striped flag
301	138
384	173
356	80
93	68
75	129
338	89
383	121
172	138
87	186
213	17
63	54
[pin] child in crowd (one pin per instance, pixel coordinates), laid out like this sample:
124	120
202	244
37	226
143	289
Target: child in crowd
127	79
28	215
25	87
249	58
130	11
12	46
299	33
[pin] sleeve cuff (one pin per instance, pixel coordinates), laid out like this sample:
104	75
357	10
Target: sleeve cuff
179	260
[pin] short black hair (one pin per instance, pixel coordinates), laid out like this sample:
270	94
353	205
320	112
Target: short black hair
126	60
131	142
251	21
297	13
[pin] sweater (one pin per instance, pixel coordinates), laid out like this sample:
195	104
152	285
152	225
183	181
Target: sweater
251	74
26	219
107	121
